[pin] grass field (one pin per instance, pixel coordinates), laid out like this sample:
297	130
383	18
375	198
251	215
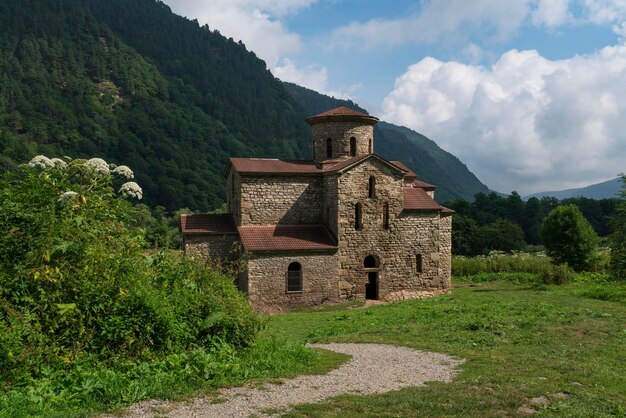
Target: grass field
521	341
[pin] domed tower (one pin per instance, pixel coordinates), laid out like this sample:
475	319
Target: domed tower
342	133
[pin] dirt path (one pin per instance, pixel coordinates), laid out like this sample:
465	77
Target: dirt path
373	368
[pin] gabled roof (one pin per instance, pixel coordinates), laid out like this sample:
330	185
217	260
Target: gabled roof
409	172
416	198
276	166
351	162
286	237
423	185
343	114
208	224
272	166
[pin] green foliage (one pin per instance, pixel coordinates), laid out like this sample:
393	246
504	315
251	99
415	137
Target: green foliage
138	85
469	239
488	208
568	237
75	289
497	262
557	274
618	237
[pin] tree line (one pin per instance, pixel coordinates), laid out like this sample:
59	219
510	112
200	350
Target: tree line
507	223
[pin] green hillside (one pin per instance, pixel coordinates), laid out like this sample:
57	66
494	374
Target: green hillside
422	155
131	82
135	84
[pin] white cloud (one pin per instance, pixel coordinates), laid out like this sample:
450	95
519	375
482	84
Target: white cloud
446	20
526	123
255	22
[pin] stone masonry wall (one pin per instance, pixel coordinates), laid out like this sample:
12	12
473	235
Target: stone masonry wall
340	133
266	279
233	195
212	248
396	248
287	200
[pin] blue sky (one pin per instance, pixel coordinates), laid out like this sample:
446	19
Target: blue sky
530	94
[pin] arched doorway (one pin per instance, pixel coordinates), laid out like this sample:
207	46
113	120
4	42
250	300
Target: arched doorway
371	267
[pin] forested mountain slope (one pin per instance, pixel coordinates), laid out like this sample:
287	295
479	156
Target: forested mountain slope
131	82
422	155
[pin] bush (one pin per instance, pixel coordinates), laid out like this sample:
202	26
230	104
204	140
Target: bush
558	274
618	237
75	285
498	262
569	238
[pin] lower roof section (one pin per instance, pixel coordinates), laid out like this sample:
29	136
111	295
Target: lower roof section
208	224
286	237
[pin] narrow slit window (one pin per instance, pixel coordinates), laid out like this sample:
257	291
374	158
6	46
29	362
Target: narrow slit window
369	148
419	265
386	215
329	148
294	277
353	147
358	217
371	193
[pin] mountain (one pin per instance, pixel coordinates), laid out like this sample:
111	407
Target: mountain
129	81
604	190
135	84
419	153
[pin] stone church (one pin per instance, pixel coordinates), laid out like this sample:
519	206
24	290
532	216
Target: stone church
347	224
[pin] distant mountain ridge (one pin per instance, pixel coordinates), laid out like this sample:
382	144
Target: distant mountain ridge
605	190
421	154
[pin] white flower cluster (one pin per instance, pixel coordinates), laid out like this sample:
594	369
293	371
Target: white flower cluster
58	163
98	166
67	197
131	189
41	161
124	171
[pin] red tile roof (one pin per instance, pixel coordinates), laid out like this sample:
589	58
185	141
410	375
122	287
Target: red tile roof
342	113
214	224
286	237
274	166
409	172
425	186
417	199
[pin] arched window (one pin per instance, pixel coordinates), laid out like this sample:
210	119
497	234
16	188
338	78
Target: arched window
419	265
385	215
294	277
358	217
371	191
329	148
370	262
353	147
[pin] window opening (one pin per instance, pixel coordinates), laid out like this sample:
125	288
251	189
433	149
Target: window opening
353	147
372	188
294	277
358	221
329	148
386	215
419	265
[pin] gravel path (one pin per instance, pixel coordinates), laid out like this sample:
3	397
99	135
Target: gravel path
373	368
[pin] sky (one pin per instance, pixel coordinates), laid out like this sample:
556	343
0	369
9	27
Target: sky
529	94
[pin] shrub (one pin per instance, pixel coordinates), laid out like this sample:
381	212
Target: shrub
557	274
568	237
74	283
618	237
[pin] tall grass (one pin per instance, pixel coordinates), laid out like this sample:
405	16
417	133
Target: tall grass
497	262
